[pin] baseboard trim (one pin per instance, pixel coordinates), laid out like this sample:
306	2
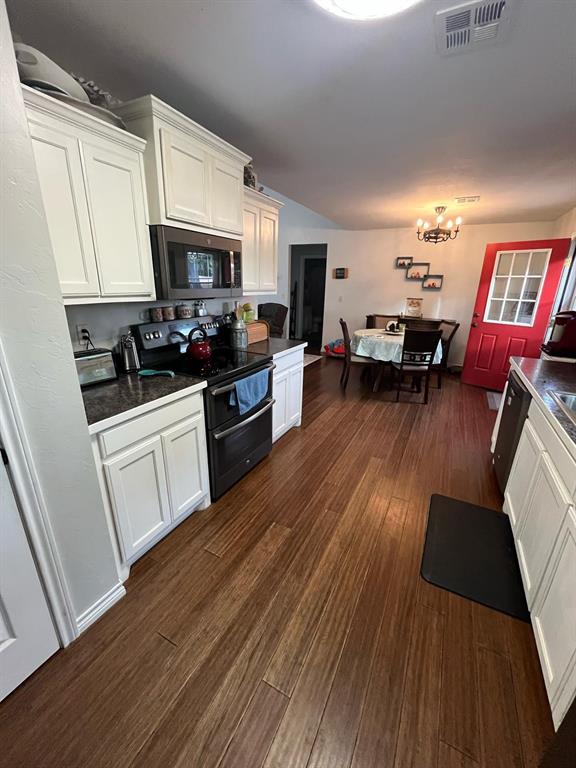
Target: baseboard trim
100	607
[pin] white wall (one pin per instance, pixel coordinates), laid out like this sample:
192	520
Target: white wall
565	226
39	357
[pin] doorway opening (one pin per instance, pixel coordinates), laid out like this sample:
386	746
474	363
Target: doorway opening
307	289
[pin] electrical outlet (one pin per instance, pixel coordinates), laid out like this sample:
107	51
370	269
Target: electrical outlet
81	338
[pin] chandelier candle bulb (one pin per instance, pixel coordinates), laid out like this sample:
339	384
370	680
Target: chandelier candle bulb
419	223
458	221
449	225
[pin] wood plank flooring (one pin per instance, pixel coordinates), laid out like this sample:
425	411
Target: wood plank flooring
287	625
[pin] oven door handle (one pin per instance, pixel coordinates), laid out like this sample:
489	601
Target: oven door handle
230	387
236	427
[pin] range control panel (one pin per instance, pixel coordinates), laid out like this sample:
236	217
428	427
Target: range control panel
156	335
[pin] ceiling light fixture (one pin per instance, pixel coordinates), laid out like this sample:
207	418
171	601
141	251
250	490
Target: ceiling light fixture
365	10
438	234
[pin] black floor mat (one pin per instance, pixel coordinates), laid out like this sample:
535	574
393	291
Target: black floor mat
470	550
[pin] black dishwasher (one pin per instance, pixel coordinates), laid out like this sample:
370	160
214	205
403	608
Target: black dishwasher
514	414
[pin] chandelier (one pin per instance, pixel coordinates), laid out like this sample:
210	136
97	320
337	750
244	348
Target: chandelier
440	233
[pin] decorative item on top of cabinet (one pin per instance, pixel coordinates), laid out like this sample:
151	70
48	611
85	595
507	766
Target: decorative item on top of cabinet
193	176
91	177
260	242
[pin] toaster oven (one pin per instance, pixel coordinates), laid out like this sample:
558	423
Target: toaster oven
94	366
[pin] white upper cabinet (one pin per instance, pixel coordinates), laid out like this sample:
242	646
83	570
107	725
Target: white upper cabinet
117	208
260	243
227	196
59	167
186	178
193	176
91	176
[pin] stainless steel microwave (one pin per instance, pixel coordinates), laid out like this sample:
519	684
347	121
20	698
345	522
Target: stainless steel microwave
193	265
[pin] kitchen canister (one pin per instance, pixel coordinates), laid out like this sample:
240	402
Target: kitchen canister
156	315
184	311
168	313
238	334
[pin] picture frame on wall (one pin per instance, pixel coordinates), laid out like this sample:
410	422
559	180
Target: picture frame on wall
414	306
418	270
403	262
432	283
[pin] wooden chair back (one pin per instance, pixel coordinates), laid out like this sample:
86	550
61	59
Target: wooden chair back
346	337
448	328
419	347
379	321
419	324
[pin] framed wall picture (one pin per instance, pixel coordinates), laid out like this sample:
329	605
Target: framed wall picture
403	262
414	306
432	282
418	270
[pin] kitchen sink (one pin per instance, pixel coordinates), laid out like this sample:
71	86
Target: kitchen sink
566	401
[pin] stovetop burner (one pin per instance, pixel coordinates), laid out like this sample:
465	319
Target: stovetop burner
225	362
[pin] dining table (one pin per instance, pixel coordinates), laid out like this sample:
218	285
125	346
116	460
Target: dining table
383	346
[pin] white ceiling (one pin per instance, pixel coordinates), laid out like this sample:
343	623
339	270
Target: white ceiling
363	122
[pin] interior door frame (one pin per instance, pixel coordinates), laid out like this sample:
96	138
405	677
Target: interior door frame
33	508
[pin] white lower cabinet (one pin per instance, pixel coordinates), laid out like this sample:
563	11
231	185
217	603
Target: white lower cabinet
544	513
139	495
287	383
154	472
554	620
540	499
185	453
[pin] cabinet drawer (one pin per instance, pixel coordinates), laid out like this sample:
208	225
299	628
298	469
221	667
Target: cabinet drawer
564	464
119	437
289	360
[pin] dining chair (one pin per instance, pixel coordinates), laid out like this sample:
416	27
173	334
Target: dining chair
379	321
448	329
349	358
418	353
418	324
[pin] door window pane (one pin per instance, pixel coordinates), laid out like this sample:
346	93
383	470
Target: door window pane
509	313
500	284
521	261
526	312
504	264
515	288
531	288
495	309
538	262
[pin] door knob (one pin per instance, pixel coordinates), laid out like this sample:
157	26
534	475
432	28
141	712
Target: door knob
476	314
474	325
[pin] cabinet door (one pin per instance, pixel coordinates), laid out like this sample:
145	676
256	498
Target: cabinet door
139	495
250	269
296	379
268	250
554	620
59	167
186	465
545	511
186	169
280	411
227	191
522	474
118	212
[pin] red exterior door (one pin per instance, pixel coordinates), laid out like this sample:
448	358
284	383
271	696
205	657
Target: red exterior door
515	297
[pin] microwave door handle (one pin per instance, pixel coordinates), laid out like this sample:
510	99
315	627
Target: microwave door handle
236	427
230	387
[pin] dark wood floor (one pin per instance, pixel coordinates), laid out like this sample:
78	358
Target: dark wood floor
287	626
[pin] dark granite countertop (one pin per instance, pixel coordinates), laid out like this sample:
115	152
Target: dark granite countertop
545	376
102	401
275	346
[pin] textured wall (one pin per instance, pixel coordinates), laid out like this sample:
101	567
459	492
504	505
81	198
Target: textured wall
39	357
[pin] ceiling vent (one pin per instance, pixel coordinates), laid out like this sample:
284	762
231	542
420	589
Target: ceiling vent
467	199
472	25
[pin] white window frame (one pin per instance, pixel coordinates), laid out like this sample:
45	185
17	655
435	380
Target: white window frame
508	277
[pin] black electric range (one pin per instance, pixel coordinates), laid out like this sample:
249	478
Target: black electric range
236	442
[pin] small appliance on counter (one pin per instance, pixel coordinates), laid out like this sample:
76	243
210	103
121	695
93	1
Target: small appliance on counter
130	359
562	342
94	366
